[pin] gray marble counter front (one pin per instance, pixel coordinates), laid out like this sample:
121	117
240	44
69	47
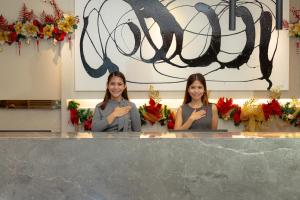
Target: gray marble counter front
149	166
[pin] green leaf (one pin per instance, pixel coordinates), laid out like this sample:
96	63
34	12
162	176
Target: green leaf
73	105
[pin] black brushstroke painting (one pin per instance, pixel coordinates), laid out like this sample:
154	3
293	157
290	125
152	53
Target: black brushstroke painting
171	31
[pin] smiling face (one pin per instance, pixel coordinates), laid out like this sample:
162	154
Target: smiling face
116	86
196	90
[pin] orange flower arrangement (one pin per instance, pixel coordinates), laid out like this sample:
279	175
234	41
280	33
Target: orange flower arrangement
156	112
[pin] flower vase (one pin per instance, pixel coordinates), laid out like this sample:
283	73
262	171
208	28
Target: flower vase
156	127
229	125
78	127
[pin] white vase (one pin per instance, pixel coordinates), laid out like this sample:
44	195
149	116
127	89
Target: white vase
156	127
229	125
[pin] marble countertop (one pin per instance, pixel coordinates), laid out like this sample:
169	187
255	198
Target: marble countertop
150	165
145	135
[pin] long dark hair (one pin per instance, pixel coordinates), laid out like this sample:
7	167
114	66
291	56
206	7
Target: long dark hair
107	93
192	78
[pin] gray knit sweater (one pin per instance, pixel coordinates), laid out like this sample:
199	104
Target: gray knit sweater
126	123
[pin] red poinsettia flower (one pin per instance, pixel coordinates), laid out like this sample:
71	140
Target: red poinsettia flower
271	108
11	27
49	19
36	23
171	125
3	23
225	105
41	35
154	108
74	116
152	112
237	115
151	102
88	124
58	34
171	121
12	37
171	116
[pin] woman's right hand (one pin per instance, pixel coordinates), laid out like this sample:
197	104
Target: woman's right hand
197	114
120	111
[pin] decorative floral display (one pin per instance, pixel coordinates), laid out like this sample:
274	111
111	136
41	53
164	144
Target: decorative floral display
156	112
271	108
227	110
80	117
293	27
30	27
253	115
291	113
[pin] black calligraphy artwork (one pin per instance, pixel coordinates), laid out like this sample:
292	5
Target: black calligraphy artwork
138	19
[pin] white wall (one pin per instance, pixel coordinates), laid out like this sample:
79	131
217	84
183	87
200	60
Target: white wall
46	75
32	75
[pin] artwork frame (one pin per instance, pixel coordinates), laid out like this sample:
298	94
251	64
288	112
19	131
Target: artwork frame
147	45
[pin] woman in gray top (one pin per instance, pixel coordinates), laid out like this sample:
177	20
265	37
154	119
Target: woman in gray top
196	113
116	113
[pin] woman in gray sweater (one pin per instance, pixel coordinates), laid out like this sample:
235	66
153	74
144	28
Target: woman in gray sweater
116	113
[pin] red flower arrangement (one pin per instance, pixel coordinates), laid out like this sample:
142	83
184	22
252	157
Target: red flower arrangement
271	108
227	110
171	121
80	116
87	124
259	113
73	108
152	112
156	112
29	26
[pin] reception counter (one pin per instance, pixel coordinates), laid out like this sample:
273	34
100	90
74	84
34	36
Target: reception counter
150	166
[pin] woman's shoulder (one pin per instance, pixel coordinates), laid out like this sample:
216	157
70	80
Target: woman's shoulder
179	109
213	106
99	104
130	103
97	107
185	105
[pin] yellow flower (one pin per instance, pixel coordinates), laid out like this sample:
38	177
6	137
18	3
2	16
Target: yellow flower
19	27
70	19
47	30
4	37
252	115
295	103
294	30
31	30
65	27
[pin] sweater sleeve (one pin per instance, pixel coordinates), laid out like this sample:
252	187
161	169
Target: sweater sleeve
135	118
99	122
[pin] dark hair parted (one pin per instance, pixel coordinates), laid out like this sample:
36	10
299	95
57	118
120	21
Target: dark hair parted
107	93
192	78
